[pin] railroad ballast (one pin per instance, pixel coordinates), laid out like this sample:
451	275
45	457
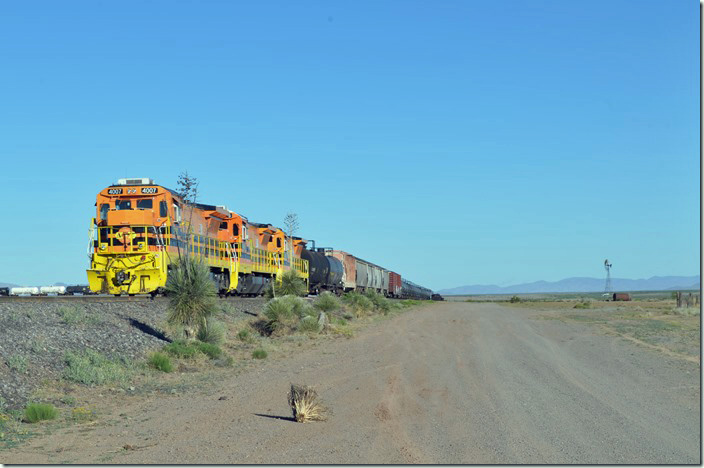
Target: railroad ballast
141	229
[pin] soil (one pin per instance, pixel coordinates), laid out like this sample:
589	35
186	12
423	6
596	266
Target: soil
469	383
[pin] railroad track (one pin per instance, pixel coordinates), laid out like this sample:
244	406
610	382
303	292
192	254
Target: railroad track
89	299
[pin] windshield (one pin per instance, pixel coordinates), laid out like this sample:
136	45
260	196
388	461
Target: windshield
123	205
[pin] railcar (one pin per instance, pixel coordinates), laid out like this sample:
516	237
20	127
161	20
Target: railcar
141	229
410	290
4	291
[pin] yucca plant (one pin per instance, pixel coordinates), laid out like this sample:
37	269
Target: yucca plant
305	405
359	303
291	284
192	295
327	302
212	331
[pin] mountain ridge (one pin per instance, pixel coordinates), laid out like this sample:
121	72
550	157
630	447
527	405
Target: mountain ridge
581	284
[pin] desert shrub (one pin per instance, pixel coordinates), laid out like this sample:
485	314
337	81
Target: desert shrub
209	349
92	368
213	332
192	295
245	335
305	404
18	363
358	303
582	305
181	349
35	412
381	303
70	315
515	299
686	311
291	284
309	324
82	414
259	354
283	313
160	361
327	302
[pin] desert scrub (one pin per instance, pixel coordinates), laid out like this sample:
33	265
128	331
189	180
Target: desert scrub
160	361
212	331
18	363
246	336
291	284
191	294
514	299
309	324
686	311
181	349
82	414
35	412
583	305
92	368
210	350
259	354
381	303
327	302
284	313
305	404
359	303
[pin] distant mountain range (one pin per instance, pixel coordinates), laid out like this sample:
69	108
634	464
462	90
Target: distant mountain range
569	285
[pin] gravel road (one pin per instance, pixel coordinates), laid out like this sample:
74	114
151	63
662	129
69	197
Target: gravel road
444	383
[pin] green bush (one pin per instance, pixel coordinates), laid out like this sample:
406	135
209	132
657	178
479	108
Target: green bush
515	299
213	332
209	349
18	363
160	361
259	354
244	335
582	305
358	303
309	324
381	303
93	368
35	412
181	349
291	284
327	302
192	295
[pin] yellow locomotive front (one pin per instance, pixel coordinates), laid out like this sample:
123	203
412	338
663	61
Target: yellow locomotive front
129	236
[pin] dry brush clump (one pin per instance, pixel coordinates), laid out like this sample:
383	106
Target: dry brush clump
305	404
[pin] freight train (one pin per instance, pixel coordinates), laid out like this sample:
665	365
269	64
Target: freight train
141	229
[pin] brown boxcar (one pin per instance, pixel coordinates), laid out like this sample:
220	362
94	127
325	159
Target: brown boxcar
349	277
622	297
394	284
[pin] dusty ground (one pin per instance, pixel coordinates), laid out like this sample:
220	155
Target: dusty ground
445	383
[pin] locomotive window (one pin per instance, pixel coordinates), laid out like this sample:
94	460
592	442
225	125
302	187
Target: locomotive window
235	230
278	242
223	225
123	205
162	209
104	211
145	204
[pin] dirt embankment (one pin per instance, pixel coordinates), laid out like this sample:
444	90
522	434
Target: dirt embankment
445	383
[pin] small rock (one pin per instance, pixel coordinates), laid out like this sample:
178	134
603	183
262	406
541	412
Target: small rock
131	389
222	398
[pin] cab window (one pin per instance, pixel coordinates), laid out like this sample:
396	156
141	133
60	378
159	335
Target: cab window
163	209
145	204
123	204
104	211
235	230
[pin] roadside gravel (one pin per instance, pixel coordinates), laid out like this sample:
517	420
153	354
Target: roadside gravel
35	336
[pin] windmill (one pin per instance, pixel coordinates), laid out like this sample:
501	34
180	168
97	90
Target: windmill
607	287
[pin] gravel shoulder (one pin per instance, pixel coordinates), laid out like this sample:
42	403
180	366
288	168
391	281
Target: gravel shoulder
443	383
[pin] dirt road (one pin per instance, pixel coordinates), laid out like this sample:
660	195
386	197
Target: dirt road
447	383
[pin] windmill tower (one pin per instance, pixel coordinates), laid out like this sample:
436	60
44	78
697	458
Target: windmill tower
607	287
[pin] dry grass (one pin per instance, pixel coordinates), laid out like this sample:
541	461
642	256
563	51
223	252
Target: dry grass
305	405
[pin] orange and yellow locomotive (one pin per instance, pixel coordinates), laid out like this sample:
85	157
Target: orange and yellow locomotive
142	228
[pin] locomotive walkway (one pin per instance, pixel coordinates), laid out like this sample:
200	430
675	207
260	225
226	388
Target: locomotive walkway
445	383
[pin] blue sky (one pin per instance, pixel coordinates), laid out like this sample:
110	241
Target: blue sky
456	142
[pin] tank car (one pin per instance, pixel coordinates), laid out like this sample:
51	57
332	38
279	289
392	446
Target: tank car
325	271
58	290
23	291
